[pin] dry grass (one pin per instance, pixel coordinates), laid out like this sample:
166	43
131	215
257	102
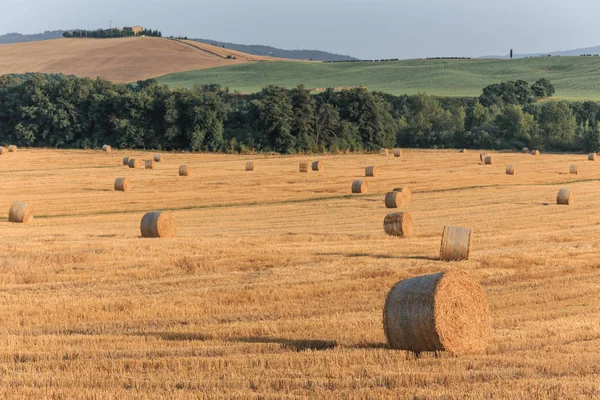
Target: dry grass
275	284
118	60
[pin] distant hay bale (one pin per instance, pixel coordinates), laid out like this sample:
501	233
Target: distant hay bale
317	166
303	167
2	150
250	166
592	157
447	311
535	152
574	169
371	171
395	200
122	184
456	244
405	191
149	164
482	156
397	152
510	169
135	163
384	152
184	170
360	187
463	151
565	197
12	148
489	160
158	224
398	224
106	148
20	212
125	160
158	157
526	150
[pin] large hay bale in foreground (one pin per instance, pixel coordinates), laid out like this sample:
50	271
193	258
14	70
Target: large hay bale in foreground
395	200
565	197
574	169
135	163
106	148
535	152
371	171
303	167
441	312
149	164
317	166
12	148
384	152
184	170
592	157
250	166
122	184
126	161
456	244
360	187
158	224
158	157
489	160
510	169
20	212
398	224
405	191
397	152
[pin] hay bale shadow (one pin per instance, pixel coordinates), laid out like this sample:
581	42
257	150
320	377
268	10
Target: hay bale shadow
291	344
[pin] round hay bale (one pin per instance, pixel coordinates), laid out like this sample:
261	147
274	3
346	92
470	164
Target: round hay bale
360	187
2	150
489	160
125	160
463	151
12	148
184	170
158	224
482	156
20	212
447	311
535	152
565	197
398	224
405	191
592	157
371	171
122	185
574	169
510	169
158	157
106	148
456	244
384	152
250	166
395	200
149	164
525	150
135	163
303	167
317	166
397	152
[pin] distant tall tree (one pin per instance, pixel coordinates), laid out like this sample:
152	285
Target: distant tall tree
511	54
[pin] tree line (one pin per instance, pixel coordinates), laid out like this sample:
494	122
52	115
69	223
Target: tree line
67	112
110	33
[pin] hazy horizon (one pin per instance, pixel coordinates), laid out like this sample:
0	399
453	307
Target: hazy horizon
377	29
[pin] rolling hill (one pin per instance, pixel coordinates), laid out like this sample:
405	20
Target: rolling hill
20	38
574	77
118	60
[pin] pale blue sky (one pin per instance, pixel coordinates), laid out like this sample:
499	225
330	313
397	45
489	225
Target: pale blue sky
364	29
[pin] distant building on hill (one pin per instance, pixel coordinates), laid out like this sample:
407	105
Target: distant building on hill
136	30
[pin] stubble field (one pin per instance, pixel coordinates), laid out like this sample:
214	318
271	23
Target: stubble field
275	284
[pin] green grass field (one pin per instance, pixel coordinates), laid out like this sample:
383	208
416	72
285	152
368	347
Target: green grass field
575	78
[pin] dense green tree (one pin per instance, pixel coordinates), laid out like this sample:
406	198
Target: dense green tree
557	124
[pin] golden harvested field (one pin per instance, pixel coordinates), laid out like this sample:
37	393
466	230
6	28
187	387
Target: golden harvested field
117	60
275	284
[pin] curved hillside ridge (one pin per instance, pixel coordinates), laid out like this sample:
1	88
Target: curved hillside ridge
117	60
225	52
